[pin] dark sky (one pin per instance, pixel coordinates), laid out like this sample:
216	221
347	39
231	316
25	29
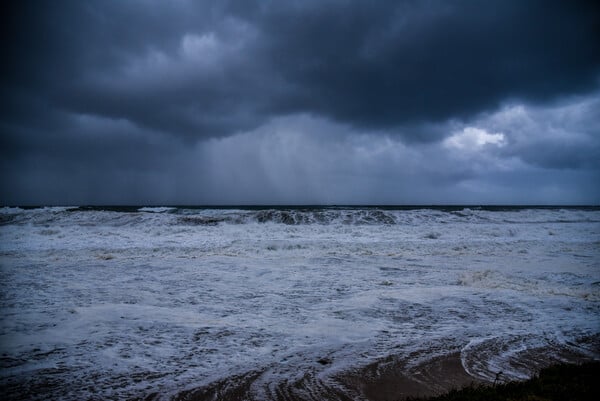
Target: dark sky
326	102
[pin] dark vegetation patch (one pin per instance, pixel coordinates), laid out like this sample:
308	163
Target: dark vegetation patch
556	383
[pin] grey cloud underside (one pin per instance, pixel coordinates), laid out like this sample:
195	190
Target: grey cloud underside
299	102
380	65
411	61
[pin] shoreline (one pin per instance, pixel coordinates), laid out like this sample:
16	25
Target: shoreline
384	380
578	382
393	378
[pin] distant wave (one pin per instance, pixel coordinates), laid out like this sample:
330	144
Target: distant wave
368	215
162	209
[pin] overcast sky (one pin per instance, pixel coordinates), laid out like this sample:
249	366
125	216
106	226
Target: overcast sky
295	102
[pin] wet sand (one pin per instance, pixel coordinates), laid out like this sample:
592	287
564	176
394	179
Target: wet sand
385	380
392	379
395	377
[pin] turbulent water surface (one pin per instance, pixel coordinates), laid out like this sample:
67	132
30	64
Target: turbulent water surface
129	302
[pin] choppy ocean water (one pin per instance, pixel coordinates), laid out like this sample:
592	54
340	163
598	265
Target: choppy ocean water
126	302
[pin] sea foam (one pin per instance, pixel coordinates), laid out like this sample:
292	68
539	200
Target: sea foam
146	300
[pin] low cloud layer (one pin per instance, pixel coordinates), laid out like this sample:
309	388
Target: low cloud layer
300	102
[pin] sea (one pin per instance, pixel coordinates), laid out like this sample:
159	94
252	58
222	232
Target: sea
149	302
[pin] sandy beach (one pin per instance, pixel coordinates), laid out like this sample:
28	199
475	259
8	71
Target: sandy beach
389	379
385	380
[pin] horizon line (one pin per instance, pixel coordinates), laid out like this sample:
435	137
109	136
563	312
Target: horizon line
307	205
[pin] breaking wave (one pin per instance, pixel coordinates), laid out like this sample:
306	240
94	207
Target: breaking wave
195	216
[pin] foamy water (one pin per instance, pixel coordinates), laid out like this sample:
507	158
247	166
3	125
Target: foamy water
128	302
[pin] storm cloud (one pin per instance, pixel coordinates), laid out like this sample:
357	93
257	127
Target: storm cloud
300	102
